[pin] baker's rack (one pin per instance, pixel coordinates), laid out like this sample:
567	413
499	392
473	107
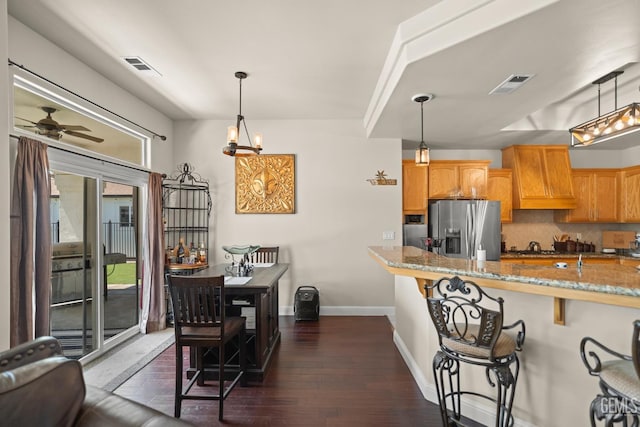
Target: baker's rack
186	208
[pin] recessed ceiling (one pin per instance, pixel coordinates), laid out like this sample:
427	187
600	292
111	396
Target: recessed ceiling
362	60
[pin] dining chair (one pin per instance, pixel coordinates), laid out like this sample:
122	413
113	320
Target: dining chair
470	328
618	378
200	324
266	254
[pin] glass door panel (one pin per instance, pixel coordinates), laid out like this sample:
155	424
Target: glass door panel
120	266
73	272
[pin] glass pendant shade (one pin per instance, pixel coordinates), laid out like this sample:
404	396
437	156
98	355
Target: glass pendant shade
422	155
232	134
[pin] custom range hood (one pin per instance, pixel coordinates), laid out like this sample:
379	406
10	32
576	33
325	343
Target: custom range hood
541	176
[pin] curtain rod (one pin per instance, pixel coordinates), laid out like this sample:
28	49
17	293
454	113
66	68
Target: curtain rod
85	155
22	67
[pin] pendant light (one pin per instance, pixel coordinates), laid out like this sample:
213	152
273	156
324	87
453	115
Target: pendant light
422	153
621	121
233	132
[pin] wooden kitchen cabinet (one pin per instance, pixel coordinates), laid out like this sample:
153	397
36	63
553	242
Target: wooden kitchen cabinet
447	177
499	187
597	194
414	188
541	176
630	194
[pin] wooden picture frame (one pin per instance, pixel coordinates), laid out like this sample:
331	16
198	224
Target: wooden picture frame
265	184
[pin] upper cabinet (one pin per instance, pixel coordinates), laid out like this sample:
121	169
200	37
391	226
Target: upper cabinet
499	187
541	176
414	188
630	199
597	194
458	179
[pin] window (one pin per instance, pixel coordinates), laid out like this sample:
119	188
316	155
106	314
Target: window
125	216
65	120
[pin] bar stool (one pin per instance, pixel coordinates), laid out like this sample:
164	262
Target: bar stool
200	324
470	330
619	380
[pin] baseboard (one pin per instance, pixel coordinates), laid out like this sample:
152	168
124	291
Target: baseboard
482	413
346	311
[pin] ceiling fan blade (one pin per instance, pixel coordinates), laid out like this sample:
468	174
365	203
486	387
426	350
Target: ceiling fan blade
74	127
26	120
82	135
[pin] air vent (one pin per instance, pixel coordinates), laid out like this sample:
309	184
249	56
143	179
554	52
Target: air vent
140	65
513	82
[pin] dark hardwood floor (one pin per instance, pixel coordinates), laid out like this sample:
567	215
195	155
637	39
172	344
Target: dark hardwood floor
339	371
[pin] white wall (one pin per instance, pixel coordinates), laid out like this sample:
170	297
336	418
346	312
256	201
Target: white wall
338	213
29	49
34	52
4	183
554	388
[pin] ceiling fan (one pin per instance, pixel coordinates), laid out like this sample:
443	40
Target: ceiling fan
52	129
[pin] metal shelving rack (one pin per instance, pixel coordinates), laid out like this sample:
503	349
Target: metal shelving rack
186	208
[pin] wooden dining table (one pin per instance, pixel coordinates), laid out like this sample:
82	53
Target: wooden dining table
254	297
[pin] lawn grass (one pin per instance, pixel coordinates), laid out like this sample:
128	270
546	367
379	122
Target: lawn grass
121	273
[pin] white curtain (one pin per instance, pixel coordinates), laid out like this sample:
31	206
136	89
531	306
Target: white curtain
153	313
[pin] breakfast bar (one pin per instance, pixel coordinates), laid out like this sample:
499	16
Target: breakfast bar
605	284
554	388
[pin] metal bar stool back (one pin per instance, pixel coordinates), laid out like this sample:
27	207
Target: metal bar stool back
200	324
619	381
470	328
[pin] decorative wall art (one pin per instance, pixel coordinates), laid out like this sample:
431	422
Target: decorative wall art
265	184
381	179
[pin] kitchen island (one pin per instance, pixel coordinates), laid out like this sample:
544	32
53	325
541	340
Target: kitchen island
554	388
607	284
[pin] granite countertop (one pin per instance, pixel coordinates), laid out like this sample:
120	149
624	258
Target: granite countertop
610	279
564	255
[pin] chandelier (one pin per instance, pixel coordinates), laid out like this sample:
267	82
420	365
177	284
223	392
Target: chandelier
621	121
233	132
422	153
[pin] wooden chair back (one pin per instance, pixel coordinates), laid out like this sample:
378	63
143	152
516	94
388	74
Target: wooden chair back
266	255
198	302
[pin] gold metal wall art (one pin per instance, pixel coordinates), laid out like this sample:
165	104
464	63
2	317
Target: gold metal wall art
265	184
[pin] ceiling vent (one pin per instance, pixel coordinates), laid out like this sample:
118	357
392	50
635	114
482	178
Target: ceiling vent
141	66
513	82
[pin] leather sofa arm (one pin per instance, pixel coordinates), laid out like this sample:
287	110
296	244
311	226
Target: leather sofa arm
29	352
44	392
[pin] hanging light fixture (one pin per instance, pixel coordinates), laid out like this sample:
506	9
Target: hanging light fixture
422	153
621	121
233	132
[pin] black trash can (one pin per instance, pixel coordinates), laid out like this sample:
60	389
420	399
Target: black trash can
306	303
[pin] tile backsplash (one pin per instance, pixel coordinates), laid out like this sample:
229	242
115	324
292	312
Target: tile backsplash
539	225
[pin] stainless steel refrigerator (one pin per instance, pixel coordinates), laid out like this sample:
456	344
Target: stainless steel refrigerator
458	227
414	235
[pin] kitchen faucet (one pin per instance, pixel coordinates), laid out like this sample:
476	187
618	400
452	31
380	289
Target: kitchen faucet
534	246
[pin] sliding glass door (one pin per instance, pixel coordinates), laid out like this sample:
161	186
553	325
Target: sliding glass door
96	268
